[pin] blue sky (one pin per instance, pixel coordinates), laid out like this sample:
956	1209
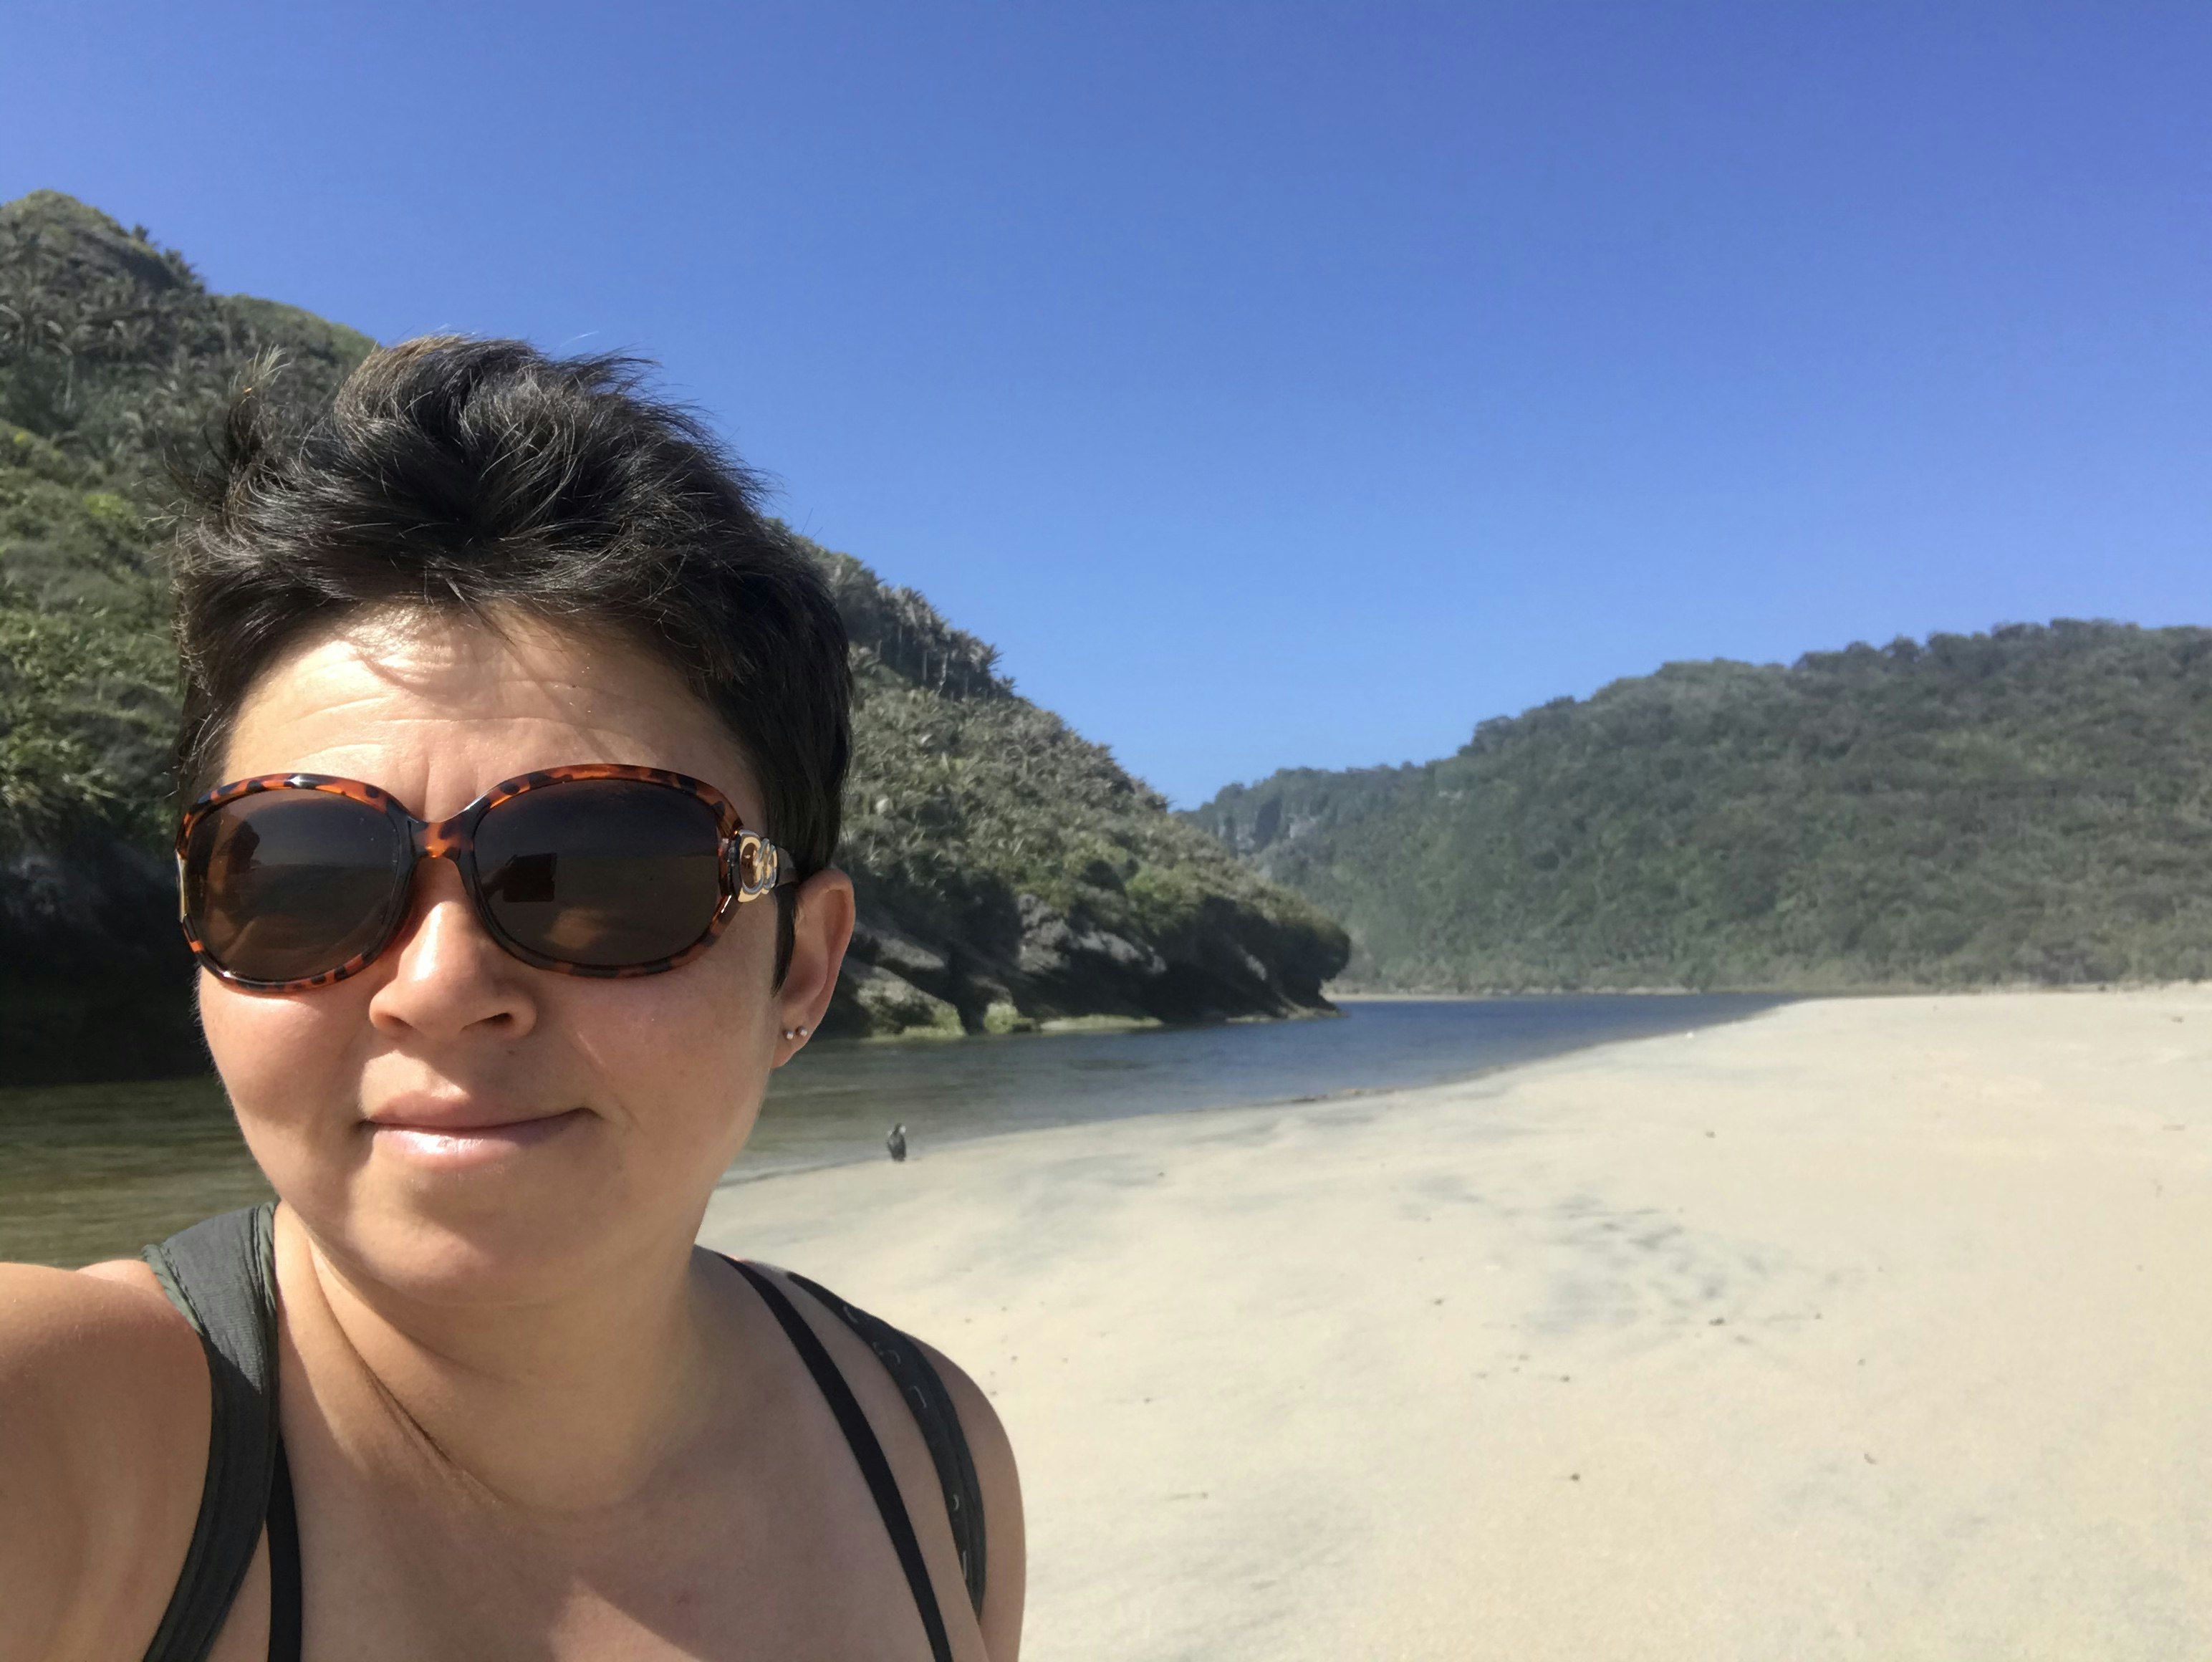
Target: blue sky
1278	384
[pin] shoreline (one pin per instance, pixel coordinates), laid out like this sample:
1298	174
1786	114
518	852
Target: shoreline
90	1170
1871	1328
1796	994
773	1165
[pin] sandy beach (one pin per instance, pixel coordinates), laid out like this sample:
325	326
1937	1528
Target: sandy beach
1865	1328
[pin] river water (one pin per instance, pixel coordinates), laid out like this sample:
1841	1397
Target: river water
90	1172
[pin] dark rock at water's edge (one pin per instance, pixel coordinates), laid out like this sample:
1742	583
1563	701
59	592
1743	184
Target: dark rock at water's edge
95	981
1010	873
1050	968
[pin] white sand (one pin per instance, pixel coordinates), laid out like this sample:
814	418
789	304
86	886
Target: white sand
1872	1328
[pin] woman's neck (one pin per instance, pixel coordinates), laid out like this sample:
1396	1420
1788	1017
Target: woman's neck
569	1403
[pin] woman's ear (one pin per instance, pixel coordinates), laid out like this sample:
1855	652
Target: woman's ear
821	929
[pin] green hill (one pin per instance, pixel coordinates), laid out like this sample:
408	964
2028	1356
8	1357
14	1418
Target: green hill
2034	805
1010	872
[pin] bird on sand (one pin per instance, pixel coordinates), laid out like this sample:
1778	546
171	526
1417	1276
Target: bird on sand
896	1141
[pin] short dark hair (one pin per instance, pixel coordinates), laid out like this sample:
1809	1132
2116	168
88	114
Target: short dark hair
484	477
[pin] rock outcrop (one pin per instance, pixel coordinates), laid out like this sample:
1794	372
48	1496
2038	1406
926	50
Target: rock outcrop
1011	874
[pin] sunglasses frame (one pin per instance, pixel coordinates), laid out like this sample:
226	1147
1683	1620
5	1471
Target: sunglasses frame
749	866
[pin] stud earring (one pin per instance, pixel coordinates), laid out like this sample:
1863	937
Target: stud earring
797	1032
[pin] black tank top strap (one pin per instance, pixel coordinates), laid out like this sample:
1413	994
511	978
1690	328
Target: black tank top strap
222	1276
920	1384
286	1611
861	1437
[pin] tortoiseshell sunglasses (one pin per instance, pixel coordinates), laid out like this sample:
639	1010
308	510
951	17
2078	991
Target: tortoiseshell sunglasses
292	880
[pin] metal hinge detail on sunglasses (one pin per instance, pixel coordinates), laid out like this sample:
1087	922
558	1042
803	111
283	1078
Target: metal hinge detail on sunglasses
756	865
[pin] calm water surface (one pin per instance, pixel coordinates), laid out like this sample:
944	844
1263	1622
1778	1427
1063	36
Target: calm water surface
90	1172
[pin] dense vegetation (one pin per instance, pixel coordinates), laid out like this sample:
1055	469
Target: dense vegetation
1010	872
2034	805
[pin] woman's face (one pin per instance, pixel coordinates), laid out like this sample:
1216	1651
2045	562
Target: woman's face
453	1122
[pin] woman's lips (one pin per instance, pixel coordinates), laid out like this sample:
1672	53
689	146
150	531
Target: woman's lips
449	1142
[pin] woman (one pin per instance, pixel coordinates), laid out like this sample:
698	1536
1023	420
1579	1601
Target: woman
515	739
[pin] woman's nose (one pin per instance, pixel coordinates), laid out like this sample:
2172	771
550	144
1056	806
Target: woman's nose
449	977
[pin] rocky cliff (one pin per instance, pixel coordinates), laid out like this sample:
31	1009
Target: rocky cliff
1011	874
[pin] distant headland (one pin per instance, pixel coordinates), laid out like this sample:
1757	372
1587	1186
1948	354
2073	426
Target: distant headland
2028	807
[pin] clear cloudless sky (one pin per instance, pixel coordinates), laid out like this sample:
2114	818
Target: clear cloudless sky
1278	384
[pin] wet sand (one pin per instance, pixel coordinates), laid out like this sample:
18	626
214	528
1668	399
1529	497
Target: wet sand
1869	1328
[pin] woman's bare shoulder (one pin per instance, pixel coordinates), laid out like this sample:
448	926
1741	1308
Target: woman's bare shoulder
1005	1547
1005	1553
103	1449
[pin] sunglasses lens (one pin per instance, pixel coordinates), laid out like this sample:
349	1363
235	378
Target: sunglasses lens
601	874
287	885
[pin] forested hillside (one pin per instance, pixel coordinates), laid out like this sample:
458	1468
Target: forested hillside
2034	805
1010	872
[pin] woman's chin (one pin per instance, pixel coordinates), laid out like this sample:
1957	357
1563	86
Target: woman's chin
472	1224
